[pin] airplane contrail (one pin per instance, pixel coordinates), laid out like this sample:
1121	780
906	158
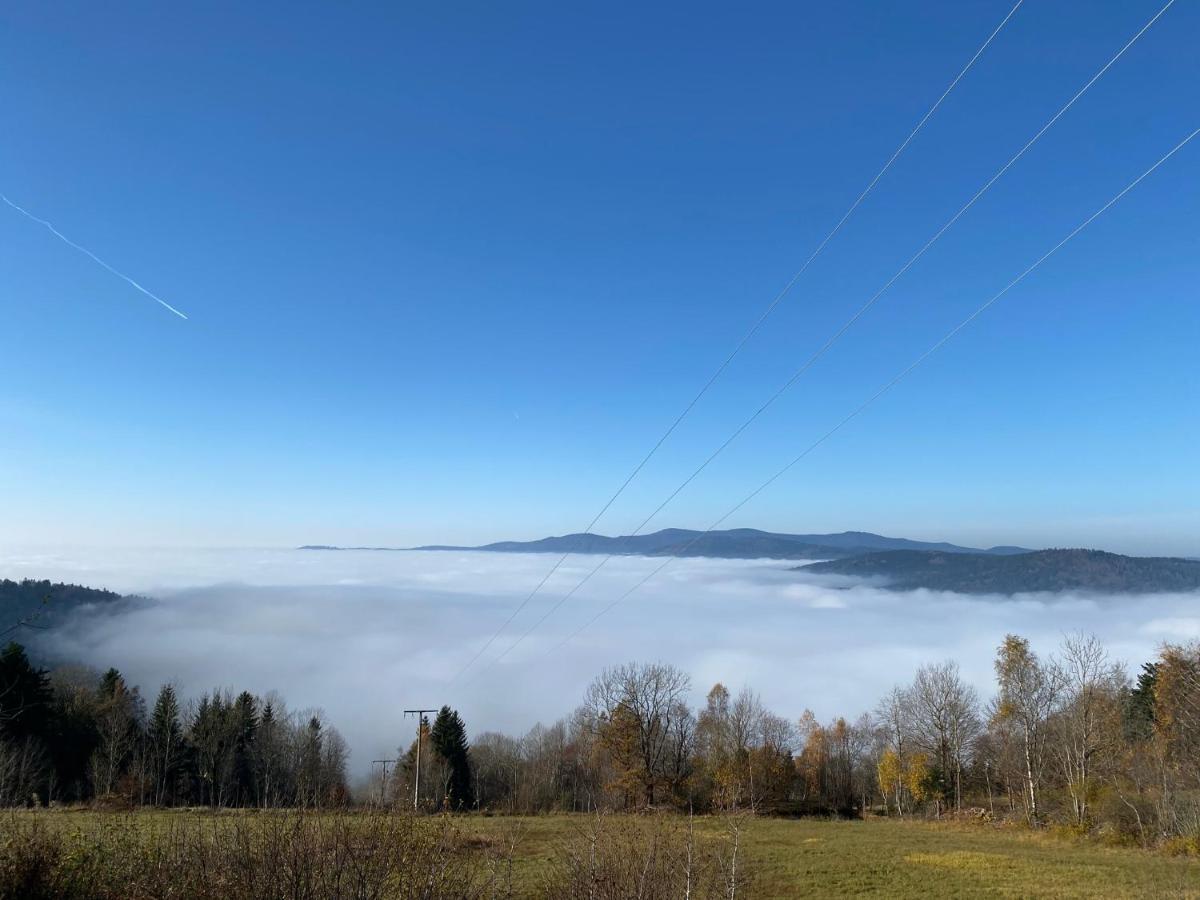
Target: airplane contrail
70	243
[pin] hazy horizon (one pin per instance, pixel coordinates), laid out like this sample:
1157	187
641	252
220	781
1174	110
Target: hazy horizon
1046	536
449	285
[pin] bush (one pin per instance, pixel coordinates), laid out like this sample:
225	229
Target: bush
1182	846
657	857
29	859
275	856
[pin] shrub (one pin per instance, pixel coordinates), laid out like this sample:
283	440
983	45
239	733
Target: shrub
29	859
275	856
654	857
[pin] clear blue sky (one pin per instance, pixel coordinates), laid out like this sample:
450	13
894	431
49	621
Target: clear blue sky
451	268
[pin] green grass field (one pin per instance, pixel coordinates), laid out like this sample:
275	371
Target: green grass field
816	858
882	858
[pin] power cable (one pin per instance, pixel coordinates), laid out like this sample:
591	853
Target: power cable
748	335
808	364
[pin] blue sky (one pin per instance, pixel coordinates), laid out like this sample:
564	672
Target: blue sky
451	269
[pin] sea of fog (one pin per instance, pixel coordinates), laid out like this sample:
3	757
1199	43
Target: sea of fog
365	634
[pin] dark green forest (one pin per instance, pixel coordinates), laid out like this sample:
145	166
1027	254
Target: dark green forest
73	735
1043	570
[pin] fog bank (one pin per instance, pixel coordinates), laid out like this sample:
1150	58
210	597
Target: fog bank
365	634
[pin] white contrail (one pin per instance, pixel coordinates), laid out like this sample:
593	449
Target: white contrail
70	243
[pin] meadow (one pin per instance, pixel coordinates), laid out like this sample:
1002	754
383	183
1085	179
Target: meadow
200	854
794	858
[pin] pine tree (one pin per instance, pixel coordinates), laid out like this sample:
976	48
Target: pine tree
26	726
24	696
210	735
267	763
1139	708
166	746
120	716
74	735
310	786
245	732
449	740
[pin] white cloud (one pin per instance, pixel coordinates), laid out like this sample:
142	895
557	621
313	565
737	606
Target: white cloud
1176	628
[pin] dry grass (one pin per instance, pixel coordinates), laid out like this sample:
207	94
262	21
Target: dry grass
288	856
883	858
357	855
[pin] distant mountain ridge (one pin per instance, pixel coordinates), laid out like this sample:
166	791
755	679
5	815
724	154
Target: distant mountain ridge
735	543
898	563
1041	570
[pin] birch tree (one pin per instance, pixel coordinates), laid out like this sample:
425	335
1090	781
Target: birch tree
944	713
1087	730
891	717
1028	695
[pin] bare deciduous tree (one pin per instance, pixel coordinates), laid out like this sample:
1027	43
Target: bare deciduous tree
1087	726
944	713
637	708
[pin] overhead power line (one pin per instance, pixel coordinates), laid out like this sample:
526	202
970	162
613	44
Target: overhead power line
812	360
950	335
754	328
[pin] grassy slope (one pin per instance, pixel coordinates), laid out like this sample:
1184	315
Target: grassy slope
880	858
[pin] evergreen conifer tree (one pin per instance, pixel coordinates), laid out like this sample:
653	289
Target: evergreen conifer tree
166	746
24	696
245	733
449	740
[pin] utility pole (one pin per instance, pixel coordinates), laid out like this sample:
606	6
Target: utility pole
421	720
987	774
382	781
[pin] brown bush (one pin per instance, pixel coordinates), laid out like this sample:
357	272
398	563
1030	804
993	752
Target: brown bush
29	859
654	857
280	856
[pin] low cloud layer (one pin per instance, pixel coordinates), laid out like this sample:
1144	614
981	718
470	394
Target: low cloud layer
365	634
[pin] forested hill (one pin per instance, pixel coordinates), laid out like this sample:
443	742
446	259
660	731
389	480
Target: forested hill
46	603
1042	570
737	543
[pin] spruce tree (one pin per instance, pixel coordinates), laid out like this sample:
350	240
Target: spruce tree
310	787
1139	706
166	746
120	715
245	729
449	740
266	756
24	696
208	737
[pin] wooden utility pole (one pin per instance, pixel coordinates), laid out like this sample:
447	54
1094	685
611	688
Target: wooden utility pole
383	780
421	720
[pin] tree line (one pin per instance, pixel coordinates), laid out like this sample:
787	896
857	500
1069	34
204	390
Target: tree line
74	735
1068	738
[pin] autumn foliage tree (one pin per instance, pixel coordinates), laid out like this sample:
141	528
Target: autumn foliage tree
1028	695
639	714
